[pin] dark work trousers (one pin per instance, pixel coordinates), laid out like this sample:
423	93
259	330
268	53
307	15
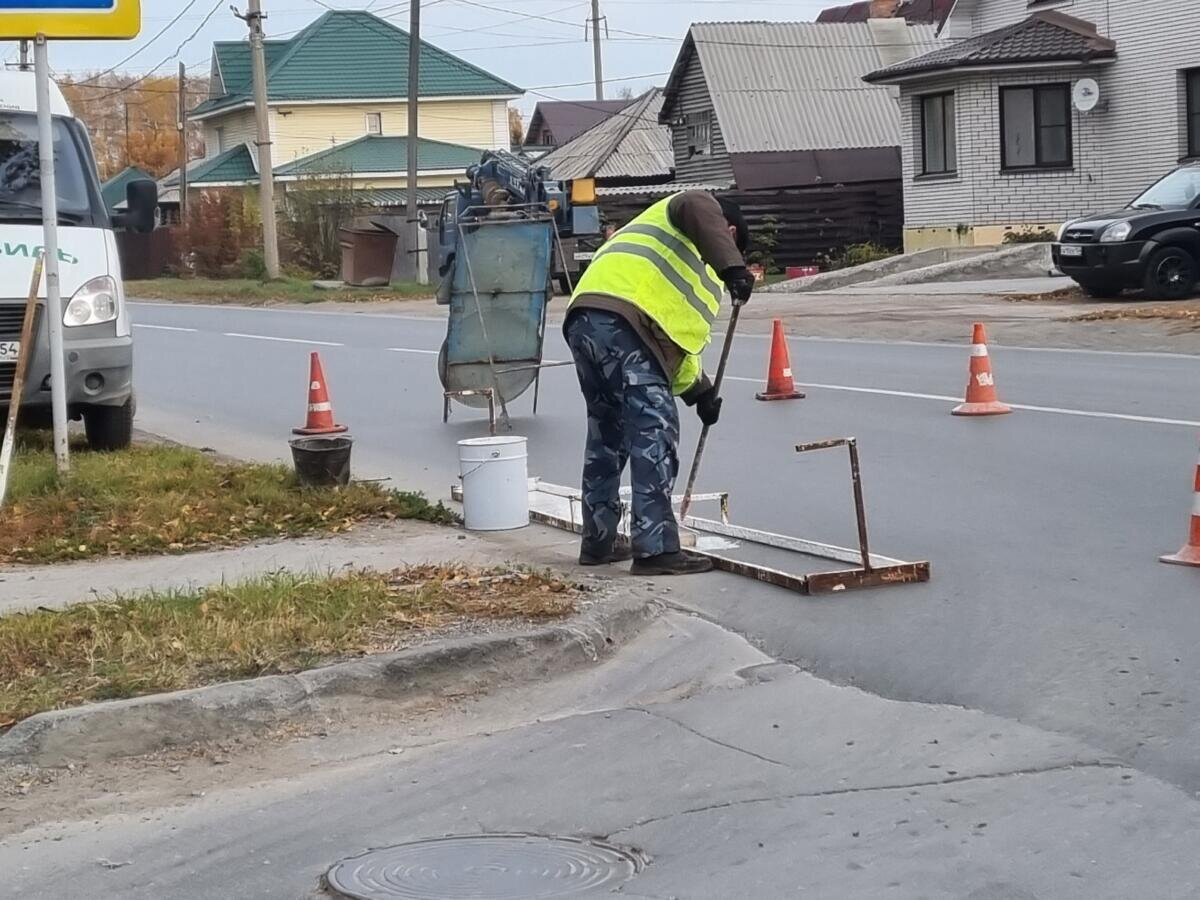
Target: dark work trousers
631	418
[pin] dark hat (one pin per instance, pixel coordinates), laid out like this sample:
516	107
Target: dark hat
733	215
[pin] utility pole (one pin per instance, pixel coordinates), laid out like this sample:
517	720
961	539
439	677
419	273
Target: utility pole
183	144
266	173
125	106
597	56
414	96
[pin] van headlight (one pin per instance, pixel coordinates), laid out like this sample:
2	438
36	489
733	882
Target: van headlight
93	304
1116	233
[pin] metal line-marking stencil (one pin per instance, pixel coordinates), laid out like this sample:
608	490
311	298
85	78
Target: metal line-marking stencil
561	507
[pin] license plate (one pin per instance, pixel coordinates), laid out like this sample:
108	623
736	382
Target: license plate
1071	250
9	351
583	256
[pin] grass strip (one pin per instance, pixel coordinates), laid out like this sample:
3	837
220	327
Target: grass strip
251	292
279	623
168	499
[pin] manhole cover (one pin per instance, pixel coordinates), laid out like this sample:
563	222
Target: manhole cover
491	866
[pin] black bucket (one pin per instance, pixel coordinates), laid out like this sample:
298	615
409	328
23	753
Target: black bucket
322	461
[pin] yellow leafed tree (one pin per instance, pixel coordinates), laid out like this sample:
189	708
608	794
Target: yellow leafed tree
132	122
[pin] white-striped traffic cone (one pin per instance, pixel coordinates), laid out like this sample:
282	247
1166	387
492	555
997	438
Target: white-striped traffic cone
1190	554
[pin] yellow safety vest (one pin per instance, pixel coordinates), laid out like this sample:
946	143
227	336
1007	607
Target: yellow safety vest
656	267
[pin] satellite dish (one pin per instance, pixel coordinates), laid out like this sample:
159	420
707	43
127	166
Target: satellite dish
1086	95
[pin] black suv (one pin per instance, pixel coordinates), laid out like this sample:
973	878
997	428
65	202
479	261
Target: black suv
1152	244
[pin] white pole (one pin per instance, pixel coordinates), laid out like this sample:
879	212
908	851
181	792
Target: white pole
54	312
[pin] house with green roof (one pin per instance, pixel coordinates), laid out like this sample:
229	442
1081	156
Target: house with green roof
337	106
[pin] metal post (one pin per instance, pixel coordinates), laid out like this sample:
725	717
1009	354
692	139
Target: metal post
183	144
414	98
24	64
54	311
597	55
266	172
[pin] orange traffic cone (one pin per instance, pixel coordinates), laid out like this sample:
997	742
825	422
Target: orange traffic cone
1190	554
981	389
780	385
320	411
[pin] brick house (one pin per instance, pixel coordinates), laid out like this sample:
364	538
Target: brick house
993	138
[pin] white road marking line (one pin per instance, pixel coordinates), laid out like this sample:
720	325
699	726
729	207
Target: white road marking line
295	312
942	398
163	327
413	350
283	340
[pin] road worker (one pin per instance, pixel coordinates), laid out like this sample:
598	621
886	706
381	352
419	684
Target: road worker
637	323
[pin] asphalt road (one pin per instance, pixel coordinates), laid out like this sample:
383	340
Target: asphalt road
1047	605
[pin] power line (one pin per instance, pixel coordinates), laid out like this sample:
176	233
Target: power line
178	50
146	45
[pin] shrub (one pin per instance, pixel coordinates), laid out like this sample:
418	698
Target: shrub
1027	236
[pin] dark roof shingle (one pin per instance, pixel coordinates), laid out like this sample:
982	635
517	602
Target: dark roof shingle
916	12
1044	37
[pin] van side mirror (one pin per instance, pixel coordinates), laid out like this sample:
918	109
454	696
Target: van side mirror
141	197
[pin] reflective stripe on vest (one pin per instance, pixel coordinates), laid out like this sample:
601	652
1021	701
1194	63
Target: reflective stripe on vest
656	267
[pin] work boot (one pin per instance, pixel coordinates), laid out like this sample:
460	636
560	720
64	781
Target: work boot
677	563
619	553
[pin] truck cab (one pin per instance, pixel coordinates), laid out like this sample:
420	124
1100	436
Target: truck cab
97	334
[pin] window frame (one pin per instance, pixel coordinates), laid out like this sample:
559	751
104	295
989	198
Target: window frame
1039	164
947	144
695	125
377	116
1191	111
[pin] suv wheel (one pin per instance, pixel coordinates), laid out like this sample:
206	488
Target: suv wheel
1101	290
109	427
1171	274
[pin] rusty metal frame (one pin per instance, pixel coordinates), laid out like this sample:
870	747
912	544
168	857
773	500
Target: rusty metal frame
873	570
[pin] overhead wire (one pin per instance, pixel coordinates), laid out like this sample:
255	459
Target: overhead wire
178	50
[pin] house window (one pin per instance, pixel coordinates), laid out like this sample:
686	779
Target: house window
220	140
1035	127
1193	112
374	123
939	146
699	133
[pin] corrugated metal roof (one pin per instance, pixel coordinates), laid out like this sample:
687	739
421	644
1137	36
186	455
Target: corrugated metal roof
567	119
628	144
779	86
348	54
659	190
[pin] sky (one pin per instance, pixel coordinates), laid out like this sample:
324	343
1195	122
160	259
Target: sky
536	44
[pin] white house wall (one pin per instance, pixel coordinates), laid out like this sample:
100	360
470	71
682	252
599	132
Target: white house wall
1135	136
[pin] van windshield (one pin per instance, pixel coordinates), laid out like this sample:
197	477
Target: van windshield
21	171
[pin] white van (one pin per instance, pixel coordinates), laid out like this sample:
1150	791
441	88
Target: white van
97	337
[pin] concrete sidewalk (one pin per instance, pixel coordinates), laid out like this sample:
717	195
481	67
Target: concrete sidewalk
383	546
736	776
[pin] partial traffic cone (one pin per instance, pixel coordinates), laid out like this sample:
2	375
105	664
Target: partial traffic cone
1190	554
320	411
981	389
780	384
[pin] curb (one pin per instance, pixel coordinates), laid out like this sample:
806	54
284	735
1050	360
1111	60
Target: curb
141	725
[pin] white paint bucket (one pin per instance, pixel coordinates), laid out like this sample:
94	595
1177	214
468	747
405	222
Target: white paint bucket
495	480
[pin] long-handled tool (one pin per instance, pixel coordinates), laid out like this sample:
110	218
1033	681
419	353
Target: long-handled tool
691	482
24	353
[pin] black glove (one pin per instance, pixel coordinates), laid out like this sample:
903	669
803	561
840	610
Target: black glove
740	282
708	407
